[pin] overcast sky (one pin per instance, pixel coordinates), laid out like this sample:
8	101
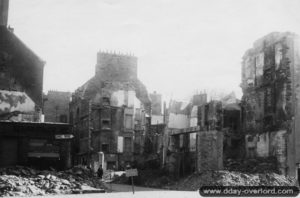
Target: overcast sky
182	45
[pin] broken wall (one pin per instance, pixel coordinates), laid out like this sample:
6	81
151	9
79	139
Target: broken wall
20	69
156	103
209	150
270	83
56	106
18	106
178	121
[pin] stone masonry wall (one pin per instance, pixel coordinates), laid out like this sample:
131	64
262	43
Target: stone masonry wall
209	151
116	67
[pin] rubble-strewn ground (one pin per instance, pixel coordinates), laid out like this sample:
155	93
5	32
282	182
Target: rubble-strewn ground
212	178
24	181
231	178
241	172
254	165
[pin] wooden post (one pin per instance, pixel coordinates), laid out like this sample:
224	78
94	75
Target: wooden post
132	184
131	173
110	181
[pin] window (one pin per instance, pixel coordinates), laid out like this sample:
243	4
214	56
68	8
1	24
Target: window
127	144
128	121
111	165
105	124
278	55
105	101
105	148
120	144
259	62
71	117
77	114
63	118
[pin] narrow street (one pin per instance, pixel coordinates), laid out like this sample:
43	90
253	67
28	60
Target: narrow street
142	194
120	191
128	188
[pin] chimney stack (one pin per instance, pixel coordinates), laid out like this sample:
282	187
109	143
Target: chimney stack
3	12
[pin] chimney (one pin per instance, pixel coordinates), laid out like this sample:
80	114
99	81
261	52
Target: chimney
3	12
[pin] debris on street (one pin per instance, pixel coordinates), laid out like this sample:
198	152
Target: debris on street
253	165
24	181
231	178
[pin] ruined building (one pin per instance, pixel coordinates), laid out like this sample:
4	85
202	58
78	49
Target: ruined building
56	106
156	108
194	129
153	147
270	103
24	139
21	75
199	134
109	113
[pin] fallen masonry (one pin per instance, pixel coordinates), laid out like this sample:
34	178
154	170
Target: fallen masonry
24	181
231	178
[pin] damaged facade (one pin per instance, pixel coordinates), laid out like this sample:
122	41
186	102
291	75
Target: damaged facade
24	139
196	133
56	106
109	114
153	146
270	84
21	76
187	126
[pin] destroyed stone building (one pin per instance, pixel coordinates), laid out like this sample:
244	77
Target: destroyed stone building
156	108
56	106
109	114
24	139
270	103
153	145
200	134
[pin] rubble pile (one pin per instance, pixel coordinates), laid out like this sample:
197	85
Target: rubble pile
231	178
255	165
24	181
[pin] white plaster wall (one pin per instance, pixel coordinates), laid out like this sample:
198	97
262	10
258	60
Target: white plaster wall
193	122
262	146
120	144
194	112
178	121
118	98
23	105
157	119
194	116
131	99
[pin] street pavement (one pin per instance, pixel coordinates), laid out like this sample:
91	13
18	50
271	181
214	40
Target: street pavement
120	191
128	188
